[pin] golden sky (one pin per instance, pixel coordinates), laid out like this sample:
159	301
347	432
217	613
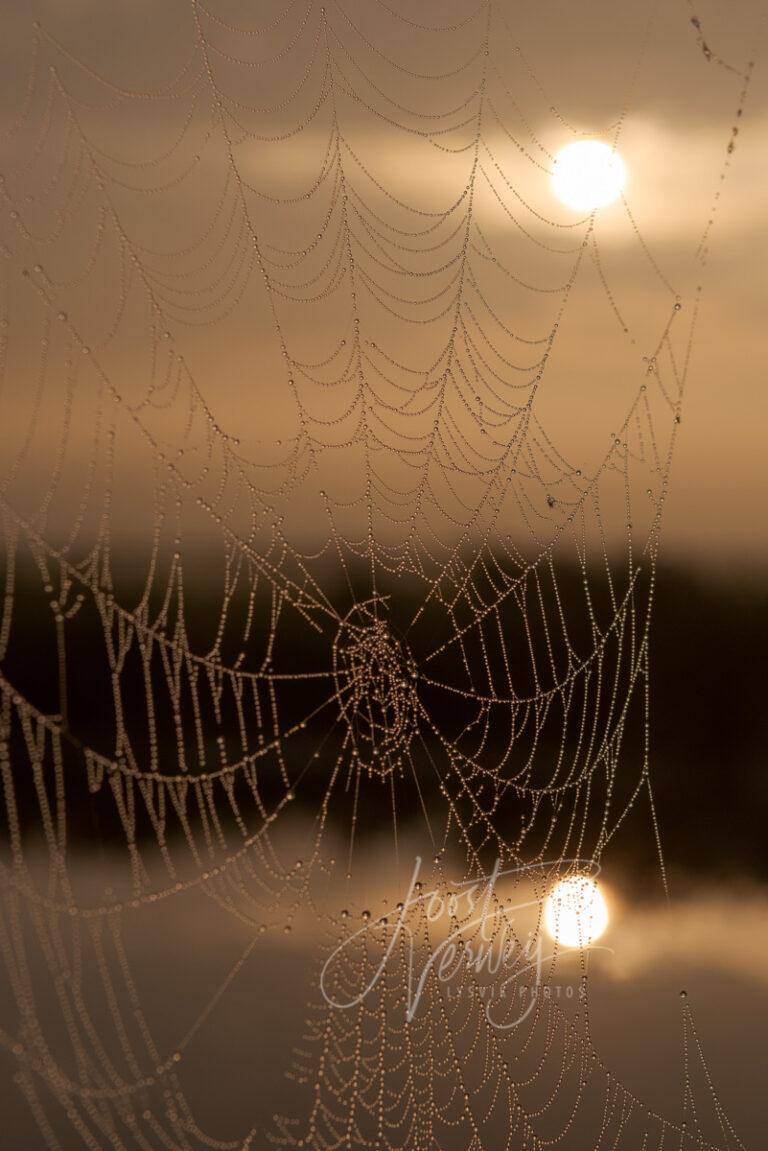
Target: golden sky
672	89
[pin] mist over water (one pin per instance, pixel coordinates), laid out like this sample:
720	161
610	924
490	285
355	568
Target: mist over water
711	942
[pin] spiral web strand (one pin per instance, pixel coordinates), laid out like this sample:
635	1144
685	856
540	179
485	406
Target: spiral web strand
401	599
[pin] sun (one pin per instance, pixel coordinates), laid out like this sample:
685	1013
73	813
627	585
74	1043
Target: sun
575	913
587	175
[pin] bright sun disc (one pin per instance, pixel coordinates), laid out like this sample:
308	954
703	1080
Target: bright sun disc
575	913
587	175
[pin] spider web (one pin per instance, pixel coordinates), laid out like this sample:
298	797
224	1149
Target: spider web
401	602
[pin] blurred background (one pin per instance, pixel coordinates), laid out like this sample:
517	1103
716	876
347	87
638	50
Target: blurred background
188	380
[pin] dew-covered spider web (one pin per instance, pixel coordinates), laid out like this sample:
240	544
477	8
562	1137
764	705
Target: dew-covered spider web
323	528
